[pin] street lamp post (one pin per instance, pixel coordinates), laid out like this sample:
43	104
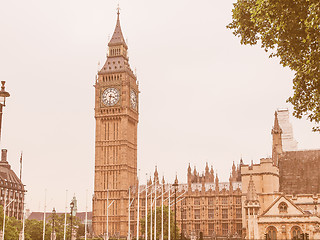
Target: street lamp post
182	216
53	224
175	185
71	212
3	96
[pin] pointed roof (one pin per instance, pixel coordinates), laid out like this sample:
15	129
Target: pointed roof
156	175
294	209
276	127
251	194
189	168
117	37
7	174
176	180
217	179
207	167
233	167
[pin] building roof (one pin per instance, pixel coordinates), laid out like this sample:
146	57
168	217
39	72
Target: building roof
116	63
39	216
251	193
8	178
288	141
300	172
117	37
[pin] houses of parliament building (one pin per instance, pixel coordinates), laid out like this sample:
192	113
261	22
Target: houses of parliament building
237	208
209	206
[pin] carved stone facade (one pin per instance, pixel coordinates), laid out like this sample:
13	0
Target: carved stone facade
204	204
268	208
12	189
247	202
116	114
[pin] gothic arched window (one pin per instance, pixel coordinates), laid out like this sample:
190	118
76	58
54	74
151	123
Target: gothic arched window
272	233
295	232
283	207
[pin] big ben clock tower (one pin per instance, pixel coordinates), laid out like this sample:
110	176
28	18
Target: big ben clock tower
116	114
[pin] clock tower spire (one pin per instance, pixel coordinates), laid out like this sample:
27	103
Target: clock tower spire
116	114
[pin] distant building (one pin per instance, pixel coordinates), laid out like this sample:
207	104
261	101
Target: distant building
12	189
288	141
281	194
206	205
81	216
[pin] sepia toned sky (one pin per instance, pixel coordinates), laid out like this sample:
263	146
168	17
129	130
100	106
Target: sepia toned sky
204	97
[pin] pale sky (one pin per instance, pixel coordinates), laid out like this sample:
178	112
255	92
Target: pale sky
204	97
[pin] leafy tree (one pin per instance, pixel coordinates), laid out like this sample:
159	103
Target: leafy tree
12	228
34	230
158	226
290	30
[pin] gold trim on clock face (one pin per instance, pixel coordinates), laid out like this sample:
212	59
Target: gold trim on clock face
110	97
133	99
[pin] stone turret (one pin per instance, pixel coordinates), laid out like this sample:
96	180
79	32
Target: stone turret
217	183
276	140
156	176
252	207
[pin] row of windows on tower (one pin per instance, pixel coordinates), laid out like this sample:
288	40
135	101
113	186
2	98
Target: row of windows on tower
212	201
111	77
211	213
115	51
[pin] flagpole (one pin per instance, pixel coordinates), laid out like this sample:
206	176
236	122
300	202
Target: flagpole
44	214
129	231
65	218
169	214
107	230
151	216
146	206
86	221
155	209
21	166
4	213
162	214
138	210
24	215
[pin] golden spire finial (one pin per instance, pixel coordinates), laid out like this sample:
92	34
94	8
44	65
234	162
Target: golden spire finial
118	9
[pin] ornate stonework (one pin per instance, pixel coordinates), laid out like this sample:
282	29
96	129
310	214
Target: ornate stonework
116	114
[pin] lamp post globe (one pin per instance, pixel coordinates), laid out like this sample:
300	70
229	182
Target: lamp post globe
3	96
175	185
53	237
71	213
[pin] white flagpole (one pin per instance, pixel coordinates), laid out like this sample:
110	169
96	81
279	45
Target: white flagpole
146	206
4	213
155	209
138	210
169	214
65	218
129	232
24	216
44	214
86	221
162	214
151	216
107	230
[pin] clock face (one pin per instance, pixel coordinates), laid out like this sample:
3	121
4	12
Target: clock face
110	96
133	99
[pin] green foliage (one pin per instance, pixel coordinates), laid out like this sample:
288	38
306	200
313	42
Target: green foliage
158	226
12	227
34	230
290	30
